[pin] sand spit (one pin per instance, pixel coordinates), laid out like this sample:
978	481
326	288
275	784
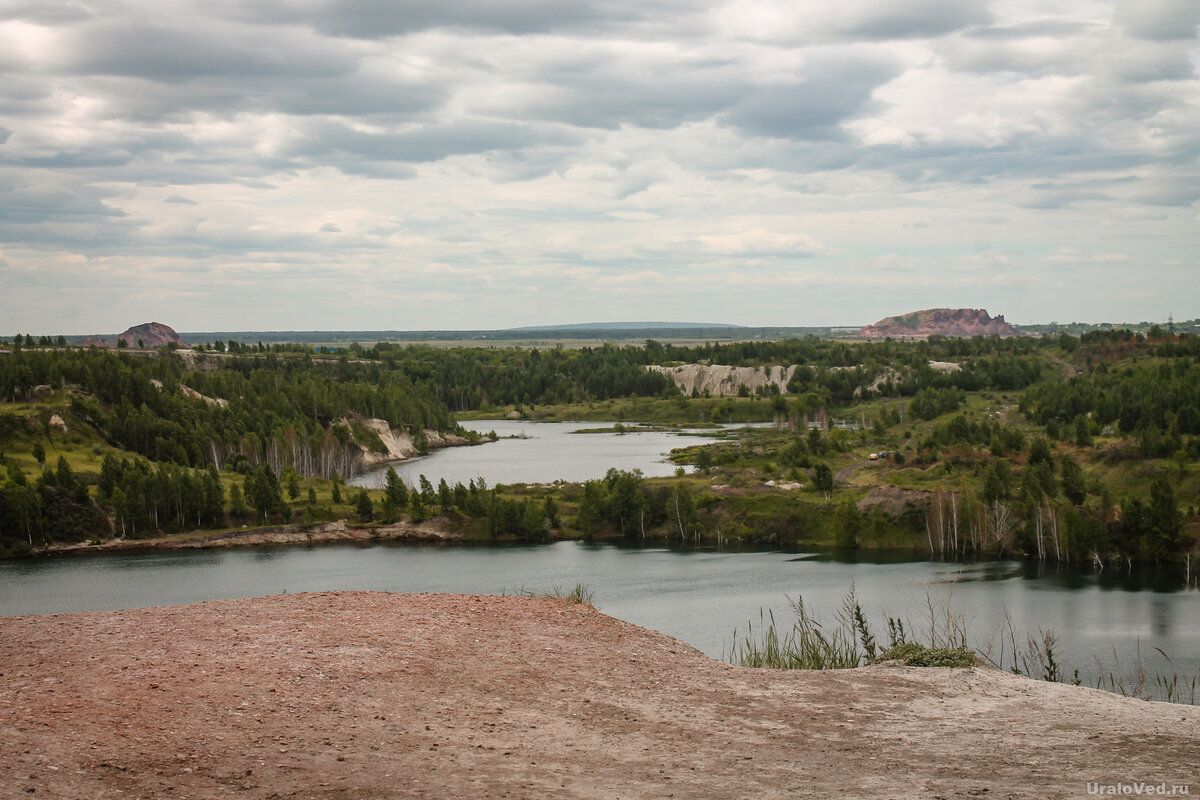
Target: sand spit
372	695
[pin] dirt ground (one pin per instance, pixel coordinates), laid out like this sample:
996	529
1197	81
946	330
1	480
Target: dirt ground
362	695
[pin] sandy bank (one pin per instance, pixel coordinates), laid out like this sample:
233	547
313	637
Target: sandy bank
371	695
442	528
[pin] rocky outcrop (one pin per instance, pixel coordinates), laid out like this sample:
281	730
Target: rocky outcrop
940	322
718	379
399	443
219	402
146	335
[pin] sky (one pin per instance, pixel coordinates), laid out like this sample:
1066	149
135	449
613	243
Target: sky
424	164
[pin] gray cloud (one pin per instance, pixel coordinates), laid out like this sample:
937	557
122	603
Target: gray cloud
328	141
174	54
373	19
329	227
43	13
916	19
824	93
1159	20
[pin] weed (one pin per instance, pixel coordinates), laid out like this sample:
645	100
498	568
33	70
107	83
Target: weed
580	593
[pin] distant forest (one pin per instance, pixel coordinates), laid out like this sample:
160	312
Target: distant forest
176	427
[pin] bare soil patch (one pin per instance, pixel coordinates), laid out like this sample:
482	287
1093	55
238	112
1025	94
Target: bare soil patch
373	695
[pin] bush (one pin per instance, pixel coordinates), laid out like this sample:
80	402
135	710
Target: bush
914	654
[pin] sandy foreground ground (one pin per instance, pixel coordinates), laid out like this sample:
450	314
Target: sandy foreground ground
371	695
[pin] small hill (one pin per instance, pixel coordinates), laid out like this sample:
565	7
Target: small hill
149	334
940	322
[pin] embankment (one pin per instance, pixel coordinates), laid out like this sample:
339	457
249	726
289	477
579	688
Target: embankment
373	695
446	528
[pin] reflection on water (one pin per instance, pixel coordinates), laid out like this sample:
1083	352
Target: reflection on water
697	595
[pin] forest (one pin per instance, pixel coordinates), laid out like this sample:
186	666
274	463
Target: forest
1053	447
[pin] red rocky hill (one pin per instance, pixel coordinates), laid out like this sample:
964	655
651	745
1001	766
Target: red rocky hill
940	322
150	334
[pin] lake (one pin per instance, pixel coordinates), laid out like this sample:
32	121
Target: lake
697	595
543	453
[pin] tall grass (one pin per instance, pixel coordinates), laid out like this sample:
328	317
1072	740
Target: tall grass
849	642
579	593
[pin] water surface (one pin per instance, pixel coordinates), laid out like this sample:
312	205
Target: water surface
543	453
699	595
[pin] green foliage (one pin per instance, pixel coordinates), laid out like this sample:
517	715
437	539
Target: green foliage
998	483
364	507
823	478
914	654
931	403
806	645
847	525
1155	400
283	410
262	490
1073	483
395	490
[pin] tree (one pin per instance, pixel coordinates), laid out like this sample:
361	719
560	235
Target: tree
1039	452
418	507
237	504
293	485
214	497
1164	522
626	504
364	507
39	453
847	524
395	489
1083	432
1073	487
823	479
998	483
590	506
264	493
683	508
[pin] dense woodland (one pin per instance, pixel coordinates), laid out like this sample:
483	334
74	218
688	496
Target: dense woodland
1055	447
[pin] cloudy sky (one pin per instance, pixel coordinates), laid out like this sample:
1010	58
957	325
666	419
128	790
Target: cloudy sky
409	164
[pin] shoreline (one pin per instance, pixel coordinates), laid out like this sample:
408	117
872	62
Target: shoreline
435	529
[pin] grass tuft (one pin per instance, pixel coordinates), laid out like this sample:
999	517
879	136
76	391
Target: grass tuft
580	593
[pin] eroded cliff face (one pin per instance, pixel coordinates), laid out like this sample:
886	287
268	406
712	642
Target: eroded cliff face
400	444
718	380
940	322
